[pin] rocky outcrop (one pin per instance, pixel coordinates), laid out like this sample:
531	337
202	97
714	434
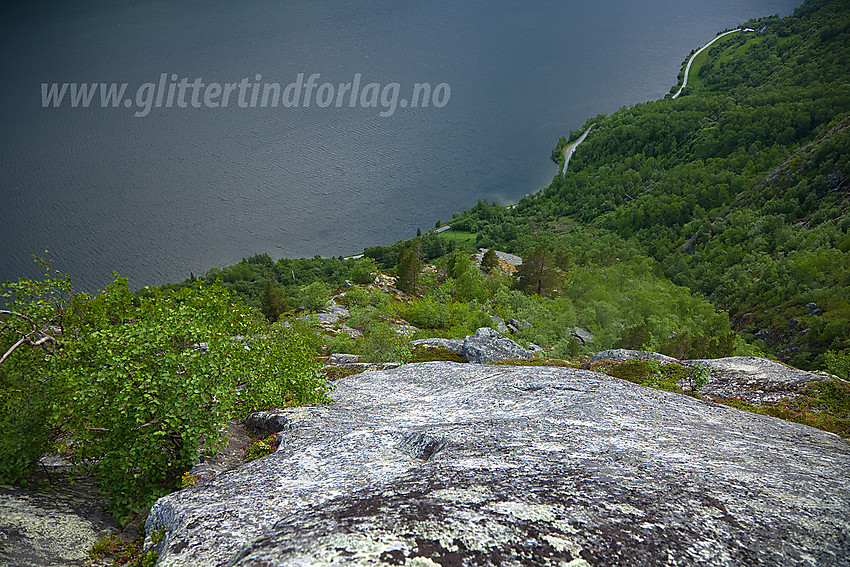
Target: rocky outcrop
55	528
753	380
228	457
450	345
583	336
461	464
622	354
487	345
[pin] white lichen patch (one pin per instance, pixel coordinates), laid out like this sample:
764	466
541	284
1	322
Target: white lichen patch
551	447
578	563
564	526
364	546
53	533
420	562
462	496
562	544
523	511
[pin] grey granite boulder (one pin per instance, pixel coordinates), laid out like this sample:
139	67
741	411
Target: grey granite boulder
752	379
500	323
583	335
458	464
437	342
344	358
488	345
622	354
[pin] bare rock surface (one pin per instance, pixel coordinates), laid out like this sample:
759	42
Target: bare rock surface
448	344
52	528
227	457
752	379
457	464
622	354
488	345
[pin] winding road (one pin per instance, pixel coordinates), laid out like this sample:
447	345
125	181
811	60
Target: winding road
691	60
568	151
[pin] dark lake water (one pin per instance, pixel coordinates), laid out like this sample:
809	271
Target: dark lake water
182	190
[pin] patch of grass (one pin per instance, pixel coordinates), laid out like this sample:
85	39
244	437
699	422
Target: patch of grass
459	236
121	550
422	353
333	373
834	395
798	410
125	552
825	404
650	373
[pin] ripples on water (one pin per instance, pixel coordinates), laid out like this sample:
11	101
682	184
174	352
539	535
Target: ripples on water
189	189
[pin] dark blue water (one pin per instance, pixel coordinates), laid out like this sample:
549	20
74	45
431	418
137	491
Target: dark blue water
185	189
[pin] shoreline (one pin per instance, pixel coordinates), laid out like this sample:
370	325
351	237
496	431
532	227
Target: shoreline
700	50
568	150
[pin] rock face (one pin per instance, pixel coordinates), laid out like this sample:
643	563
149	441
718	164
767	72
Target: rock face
753	380
487	345
448	344
622	354
49	529
458	464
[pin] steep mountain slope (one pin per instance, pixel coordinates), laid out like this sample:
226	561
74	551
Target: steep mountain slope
737	187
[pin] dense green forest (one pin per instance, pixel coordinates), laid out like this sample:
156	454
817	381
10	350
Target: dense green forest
737	189
711	225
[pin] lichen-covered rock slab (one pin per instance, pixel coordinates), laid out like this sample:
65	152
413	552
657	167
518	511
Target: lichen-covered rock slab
752	379
458	464
51	529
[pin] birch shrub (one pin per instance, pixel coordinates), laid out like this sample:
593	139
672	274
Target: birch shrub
141	384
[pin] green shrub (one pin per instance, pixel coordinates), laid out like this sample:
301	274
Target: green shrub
382	344
139	384
313	296
259	448
838	364
424	313
355	296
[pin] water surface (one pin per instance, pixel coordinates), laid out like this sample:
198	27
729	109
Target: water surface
184	190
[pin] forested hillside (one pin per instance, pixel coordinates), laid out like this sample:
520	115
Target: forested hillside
737	188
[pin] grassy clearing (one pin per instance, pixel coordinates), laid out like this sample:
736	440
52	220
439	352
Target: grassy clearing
460	237
694	80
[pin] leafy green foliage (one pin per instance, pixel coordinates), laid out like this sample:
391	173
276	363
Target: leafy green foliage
313	296
141	383
259	448
383	344
28	333
839	364
273	302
